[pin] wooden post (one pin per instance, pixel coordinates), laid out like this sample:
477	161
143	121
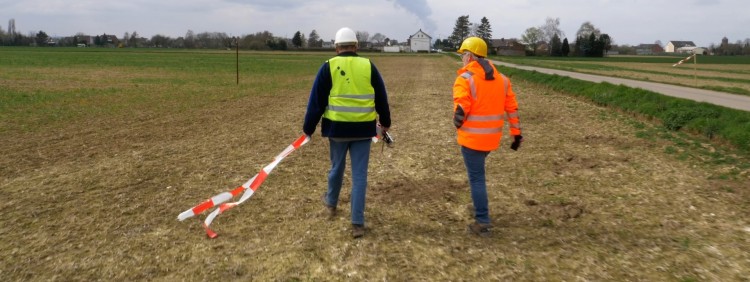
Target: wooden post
695	71
237	42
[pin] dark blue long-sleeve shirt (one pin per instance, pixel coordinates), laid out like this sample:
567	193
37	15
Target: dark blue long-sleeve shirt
318	102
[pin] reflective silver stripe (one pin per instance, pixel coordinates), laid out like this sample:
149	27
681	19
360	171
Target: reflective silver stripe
482	130
505	83
513	115
350	109
468	76
515	125
355	96
485	118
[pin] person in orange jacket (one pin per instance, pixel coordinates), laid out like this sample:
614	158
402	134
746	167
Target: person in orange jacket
482	99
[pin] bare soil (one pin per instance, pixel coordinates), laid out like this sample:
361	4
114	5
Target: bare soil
587	197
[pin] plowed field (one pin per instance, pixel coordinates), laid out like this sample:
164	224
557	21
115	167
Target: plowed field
592	194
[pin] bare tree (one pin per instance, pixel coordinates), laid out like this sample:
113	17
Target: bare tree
586	29
531	38
12	31
190	39
550	28
125	38
362	37
133	40
378	38
12	27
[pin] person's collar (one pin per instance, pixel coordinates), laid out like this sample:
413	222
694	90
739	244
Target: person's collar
348	53
470	65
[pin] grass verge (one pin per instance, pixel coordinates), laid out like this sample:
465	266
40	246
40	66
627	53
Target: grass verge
675	114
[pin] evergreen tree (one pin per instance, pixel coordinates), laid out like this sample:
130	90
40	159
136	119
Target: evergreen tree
565	49
297	39
484	30
555	48
460	31
594	46
606	43
41	38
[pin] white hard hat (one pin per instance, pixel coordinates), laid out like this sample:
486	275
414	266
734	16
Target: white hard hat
345	35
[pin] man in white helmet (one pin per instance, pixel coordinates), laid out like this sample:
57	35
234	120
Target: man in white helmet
350	97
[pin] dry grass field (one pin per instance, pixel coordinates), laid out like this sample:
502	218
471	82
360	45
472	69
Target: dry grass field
591	195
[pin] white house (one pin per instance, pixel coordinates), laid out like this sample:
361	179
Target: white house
420	41
679	46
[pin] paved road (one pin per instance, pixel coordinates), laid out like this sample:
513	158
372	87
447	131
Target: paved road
734	101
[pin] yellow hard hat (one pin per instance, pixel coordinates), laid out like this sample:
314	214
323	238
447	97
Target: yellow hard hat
475	45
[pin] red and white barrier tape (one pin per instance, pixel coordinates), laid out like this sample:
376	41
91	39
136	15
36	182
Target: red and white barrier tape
683	60
249	187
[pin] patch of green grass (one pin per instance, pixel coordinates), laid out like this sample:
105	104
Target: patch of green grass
599	66
547	223
675	114
670	150
727	189
629	59
40	86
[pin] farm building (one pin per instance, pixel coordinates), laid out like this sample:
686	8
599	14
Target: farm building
420	41
508	47
680	47
648	49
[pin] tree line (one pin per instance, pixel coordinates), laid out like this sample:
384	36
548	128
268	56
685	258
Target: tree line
546	39
549	40
264	40
542	40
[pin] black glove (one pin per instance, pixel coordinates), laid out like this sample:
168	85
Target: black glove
517	139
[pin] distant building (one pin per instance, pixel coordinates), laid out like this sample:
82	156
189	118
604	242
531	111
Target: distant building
648	49
110	40
420	41
508	47
87	40
680	47
392	49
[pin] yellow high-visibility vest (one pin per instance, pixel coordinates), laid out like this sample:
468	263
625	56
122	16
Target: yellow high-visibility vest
352	97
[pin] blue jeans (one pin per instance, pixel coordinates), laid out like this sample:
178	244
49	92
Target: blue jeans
474	161
359	152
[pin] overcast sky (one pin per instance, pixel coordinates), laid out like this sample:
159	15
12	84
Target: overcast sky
626	21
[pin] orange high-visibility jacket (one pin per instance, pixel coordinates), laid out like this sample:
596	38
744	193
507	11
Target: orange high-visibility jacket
480	106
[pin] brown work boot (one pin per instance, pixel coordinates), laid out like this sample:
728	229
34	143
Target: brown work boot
358	230
481	229
331	210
